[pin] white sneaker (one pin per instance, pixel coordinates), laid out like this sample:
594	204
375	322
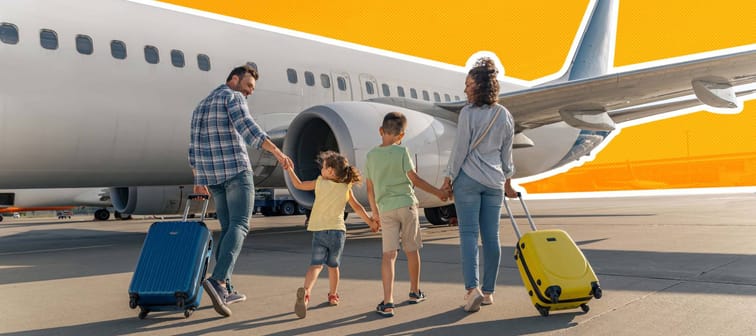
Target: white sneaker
474	299
487	299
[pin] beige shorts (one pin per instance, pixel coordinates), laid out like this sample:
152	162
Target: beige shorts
401	225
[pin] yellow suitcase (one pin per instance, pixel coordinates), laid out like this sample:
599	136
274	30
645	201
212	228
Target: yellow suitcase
554	270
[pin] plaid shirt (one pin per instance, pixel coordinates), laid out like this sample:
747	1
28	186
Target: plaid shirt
221	124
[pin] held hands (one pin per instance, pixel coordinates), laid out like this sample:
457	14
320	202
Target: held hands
285	161
375	224
447	189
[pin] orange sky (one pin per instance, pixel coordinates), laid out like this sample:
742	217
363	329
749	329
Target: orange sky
532	39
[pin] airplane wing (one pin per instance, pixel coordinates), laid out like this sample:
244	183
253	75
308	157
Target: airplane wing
629	95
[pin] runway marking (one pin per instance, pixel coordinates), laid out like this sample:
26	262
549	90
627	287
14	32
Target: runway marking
54	250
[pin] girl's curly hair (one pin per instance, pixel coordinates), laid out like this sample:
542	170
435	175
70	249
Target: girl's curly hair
344	172
483	73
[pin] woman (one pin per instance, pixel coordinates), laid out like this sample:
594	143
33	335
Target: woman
479	169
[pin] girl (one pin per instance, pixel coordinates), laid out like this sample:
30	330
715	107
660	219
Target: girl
333	188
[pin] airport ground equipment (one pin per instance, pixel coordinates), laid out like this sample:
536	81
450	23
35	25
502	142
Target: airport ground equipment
553	269
172	265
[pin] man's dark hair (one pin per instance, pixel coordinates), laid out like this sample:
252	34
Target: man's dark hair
241	70
394	123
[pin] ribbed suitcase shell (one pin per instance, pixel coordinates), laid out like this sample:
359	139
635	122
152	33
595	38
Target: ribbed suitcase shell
549	258
171	267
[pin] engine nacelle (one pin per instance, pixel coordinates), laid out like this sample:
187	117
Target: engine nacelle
351	128
154	200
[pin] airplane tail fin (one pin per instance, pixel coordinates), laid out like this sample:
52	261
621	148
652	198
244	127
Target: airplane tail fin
592	52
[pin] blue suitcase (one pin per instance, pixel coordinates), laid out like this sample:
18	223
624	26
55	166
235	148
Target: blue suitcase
172	265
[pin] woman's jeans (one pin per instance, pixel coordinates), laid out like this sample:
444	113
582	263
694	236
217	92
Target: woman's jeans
234	200
478	211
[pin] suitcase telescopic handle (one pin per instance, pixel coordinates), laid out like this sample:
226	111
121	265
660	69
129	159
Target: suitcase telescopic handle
206	201
511	217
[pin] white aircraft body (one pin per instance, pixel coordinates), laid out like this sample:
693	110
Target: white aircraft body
100	93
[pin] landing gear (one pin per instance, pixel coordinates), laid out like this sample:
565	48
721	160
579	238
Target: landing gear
102	214
121	216
440	215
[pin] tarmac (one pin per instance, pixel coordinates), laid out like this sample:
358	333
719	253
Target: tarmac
668	265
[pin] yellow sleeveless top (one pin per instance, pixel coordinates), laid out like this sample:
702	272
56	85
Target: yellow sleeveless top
330	201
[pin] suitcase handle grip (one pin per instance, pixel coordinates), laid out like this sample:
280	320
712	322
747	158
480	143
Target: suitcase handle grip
512	219
199	196
205	203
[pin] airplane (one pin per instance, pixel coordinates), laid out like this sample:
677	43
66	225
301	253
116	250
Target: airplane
154	200
105	99
23	200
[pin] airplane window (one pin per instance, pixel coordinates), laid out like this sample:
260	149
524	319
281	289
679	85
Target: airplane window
84	44
309	78
386	90
447	97
425	95
413	93
369	88
456	98
203	62
325	81
400	91
118	49
341	81
177	58
436	96
151	54
8	33
292	74
48	39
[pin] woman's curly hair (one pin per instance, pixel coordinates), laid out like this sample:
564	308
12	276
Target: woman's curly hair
484	73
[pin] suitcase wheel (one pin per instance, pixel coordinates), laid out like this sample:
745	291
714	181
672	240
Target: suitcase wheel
596	290
133	302
188	312
544	311
585	308
143	314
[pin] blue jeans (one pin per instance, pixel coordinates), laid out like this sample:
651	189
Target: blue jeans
234	200
478	211
327	246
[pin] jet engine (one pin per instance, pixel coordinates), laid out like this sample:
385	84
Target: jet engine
351	128
154	200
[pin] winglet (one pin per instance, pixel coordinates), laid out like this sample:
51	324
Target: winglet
592	52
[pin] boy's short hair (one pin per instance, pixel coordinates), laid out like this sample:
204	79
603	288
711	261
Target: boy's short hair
394	123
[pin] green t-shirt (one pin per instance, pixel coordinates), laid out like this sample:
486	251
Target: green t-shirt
387	168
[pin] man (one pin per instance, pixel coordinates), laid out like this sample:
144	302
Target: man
221	125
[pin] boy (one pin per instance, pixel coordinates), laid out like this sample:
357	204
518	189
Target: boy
390	179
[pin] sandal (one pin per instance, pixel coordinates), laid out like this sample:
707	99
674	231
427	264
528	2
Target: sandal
383	309
333	299
303	299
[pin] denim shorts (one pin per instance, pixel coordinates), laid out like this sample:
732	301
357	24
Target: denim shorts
327	247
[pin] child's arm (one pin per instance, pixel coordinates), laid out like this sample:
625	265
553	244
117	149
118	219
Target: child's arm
371	201
306	185
360	210
422	184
